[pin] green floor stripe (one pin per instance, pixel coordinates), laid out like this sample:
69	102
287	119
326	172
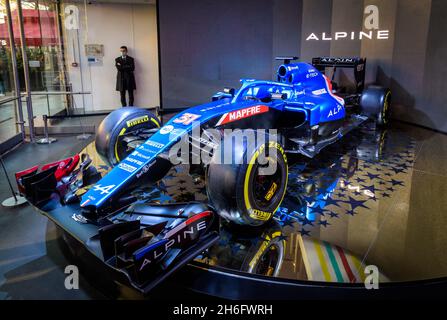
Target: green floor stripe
334	262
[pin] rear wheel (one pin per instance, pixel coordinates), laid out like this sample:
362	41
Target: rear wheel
250	190
375	103
121	131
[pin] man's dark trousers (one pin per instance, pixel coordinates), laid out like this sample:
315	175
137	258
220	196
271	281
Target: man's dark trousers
123	98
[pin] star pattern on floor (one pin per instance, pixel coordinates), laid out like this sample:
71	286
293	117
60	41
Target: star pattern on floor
343	182
355	192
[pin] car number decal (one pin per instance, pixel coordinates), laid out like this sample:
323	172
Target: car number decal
187	118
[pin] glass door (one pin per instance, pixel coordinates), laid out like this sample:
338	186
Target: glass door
45	57
9	129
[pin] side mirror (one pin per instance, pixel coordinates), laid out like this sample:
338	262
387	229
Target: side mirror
230	91
226	93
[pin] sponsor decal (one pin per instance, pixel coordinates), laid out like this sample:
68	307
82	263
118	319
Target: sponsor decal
166	129
337	60
133	160
147	150
140	155
127	167
311	75
319	92
242	114
211	108
260	215
144	170
187	118
154	144
136	121
271	191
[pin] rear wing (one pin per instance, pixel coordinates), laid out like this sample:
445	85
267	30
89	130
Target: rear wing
323	62
356	63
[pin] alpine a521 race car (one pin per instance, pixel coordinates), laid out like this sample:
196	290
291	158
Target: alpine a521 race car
302	105
301	112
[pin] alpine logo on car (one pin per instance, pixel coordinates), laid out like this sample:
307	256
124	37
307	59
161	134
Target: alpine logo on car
334	111
337	60
105	189
242	113
180	235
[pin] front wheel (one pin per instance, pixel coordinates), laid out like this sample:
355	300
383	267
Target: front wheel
250	189
120	128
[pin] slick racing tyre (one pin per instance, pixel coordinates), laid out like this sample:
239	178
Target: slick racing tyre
375	102
257	250
121	127
266	258
248	189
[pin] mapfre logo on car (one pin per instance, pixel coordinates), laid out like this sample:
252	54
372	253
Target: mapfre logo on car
242	113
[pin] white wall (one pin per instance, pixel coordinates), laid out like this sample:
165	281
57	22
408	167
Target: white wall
113	25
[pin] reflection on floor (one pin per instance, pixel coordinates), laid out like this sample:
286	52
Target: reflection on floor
31	262
355	201
374	198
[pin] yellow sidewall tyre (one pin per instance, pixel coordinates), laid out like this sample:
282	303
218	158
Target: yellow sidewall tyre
122	121
238	191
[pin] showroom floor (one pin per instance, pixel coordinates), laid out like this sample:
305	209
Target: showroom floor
31	264
376	196
373	198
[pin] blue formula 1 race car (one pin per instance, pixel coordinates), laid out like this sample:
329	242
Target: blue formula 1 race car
142	242
307	109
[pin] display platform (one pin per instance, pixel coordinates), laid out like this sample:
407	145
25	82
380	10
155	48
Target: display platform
353	206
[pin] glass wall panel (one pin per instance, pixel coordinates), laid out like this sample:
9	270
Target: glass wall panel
71	46
45	57
8	107
93	33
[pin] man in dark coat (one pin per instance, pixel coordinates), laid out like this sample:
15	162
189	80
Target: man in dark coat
125	79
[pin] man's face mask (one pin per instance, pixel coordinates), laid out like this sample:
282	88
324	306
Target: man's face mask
123	53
